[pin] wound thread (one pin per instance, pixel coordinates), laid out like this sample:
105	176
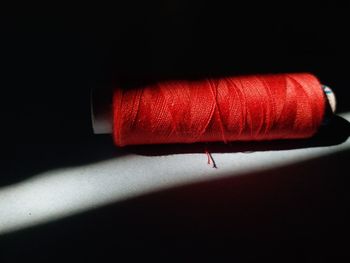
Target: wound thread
247	108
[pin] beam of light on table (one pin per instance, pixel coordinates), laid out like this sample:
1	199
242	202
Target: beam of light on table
63	192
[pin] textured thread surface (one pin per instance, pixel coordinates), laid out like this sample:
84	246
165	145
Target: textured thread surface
248	108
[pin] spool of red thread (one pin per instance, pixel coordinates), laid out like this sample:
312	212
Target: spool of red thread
247	108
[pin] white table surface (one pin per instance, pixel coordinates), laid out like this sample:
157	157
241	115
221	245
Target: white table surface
63	192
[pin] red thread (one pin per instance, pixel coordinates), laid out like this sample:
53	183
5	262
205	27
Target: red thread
210	159
248	108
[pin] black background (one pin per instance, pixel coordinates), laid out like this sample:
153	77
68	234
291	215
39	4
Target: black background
49	61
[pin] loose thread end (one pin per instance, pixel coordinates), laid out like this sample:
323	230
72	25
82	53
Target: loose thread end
210	159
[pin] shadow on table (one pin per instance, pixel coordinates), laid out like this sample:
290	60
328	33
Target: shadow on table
293	213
